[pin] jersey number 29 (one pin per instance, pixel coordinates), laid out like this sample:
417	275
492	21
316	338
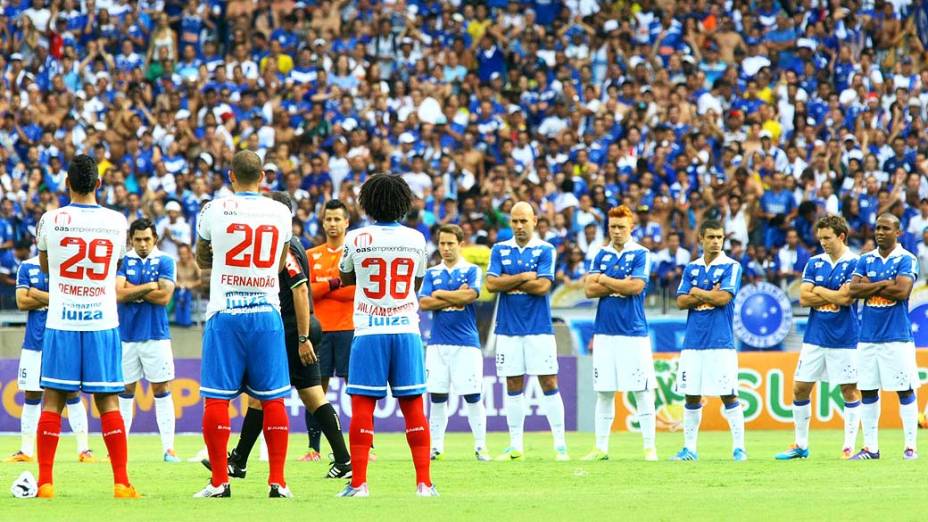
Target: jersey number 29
398	281
99	252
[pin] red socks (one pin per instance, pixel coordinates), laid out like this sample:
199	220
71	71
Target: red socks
114	436
49	429
216	431
417	436
361	436
276	433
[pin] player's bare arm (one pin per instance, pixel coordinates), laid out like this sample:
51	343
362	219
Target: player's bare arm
538	286
39	295
347	278
627	287
26	302
161	296
301	309
861	287
43	261
126	292
431	303
204	254
507	283
418	284
809	297
898	289
839	297
715	297
463	296
593	288
687	301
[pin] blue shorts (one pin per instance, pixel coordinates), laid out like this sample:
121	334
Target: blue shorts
379	360
88	361
245	352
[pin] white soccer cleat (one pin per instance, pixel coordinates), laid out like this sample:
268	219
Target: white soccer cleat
423	490
278	491
210	491
360	491
25	486
200	456
650	455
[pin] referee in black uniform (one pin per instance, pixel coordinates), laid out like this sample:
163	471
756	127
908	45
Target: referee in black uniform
303	332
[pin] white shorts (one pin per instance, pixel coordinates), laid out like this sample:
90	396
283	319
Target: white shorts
30	371
833	365
458	368
887	366
526	355
151	360
708	372
622	363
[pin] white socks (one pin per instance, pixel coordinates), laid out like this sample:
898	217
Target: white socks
126	409
77	419
851	423
604	416
477	418
735	418
909	415
870	421
515	419
554	410
802	416
28	424
438	421
164	414
644	401
691	420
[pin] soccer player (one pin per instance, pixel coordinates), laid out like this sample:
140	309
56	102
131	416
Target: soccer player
454	360
144	285
621	342
302	333
522	271
32	296
80	246
829	348
334	305
883	279
708	363
387	263
243	239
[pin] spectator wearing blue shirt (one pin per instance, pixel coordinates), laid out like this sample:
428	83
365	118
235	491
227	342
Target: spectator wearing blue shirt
778	208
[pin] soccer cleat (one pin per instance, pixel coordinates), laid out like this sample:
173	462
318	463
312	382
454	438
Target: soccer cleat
794	452
46	491
339	471
560	454
311	456
125	491
739	455
200	456
210	491
278	491
865	454
482	455
360	491
595	455
171	457
909	454
87	457
511	454
847	453
650	455
19	456
233	469
423	490
436	455
685	454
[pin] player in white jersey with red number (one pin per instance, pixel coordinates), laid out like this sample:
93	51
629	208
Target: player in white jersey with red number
387	262
80	246
243	239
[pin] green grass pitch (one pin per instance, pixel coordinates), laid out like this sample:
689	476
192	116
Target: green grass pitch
538	489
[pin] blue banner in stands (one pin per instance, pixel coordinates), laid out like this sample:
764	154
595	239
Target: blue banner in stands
921	22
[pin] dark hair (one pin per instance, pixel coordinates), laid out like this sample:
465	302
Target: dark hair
141	224
281	197
710	224
22	243
385	198
450	228
335	204
247	166
83	174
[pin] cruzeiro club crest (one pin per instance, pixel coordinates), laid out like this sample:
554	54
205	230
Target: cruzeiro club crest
763	315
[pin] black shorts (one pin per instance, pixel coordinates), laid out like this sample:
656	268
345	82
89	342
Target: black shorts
334	352
302	376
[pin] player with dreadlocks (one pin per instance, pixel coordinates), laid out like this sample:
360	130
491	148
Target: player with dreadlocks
386	261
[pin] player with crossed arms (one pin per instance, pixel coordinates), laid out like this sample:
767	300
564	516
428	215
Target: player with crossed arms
243	239
386	261
80	246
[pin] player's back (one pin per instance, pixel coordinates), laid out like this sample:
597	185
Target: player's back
30	275
84	244
386	260
247	233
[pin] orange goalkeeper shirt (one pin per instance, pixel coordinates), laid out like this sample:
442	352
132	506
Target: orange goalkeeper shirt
334	308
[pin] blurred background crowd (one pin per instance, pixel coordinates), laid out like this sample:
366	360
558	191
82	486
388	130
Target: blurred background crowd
763	114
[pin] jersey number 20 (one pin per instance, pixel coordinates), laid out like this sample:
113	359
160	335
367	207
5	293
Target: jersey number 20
399	283
254	239
99	252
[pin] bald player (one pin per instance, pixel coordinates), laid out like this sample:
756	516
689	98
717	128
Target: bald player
521	271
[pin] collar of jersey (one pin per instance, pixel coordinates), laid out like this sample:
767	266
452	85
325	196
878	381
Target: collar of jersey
151	255
532	243
82	205
387	224
846	256
898	251
721	259
630	246
247	194
460	263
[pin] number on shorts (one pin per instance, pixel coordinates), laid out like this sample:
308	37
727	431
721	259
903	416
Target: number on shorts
254	239
397	283
91	251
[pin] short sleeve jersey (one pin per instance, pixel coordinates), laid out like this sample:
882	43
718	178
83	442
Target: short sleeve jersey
617	314
143	321
456	325
709	327
832	326
519	313
884	320
30	275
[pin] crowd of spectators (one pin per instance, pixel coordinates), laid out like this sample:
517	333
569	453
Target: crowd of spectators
760	113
